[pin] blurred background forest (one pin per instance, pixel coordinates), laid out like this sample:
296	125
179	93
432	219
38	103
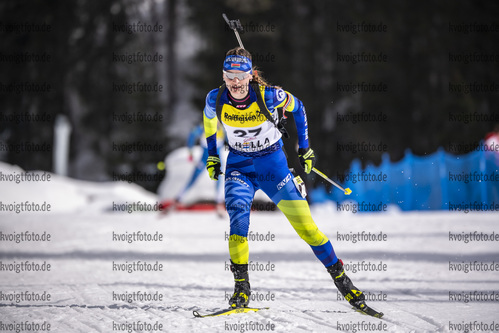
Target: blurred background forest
425	54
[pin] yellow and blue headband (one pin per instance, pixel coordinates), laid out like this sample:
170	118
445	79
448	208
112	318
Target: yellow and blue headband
238	62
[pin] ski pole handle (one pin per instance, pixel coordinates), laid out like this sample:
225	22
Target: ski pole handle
347	191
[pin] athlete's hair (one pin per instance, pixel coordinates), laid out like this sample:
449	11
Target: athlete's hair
257	77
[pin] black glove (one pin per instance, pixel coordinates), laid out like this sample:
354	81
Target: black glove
307	159
213	166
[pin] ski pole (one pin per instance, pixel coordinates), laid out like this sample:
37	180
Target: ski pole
234	25
347	191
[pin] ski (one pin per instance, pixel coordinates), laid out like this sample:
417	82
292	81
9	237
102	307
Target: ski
364	309
226	312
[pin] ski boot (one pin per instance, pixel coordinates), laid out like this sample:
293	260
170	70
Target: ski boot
242	291
351	293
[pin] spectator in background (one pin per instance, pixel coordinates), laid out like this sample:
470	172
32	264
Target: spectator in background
492	142
197	134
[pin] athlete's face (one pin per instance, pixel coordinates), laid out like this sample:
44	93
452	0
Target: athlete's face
238	83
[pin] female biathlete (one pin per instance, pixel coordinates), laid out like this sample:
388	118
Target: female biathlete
256	160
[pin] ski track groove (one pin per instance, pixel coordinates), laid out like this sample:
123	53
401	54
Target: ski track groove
428	320
310	316
87	321
85	305
288	324
101	307
408	326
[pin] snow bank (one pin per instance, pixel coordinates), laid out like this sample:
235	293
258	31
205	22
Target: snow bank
64	194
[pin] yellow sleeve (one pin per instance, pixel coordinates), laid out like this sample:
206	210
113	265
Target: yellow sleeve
210	125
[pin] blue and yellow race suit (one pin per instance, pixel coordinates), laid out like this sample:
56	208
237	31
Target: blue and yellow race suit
257	161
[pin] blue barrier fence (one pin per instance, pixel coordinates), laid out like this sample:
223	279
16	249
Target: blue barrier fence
440	181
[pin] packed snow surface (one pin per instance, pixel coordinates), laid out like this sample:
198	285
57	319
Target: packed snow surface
426	271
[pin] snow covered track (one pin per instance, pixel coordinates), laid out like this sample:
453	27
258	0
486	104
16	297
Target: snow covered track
416	274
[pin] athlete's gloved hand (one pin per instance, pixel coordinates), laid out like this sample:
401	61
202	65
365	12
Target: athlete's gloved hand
213	166
307	159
